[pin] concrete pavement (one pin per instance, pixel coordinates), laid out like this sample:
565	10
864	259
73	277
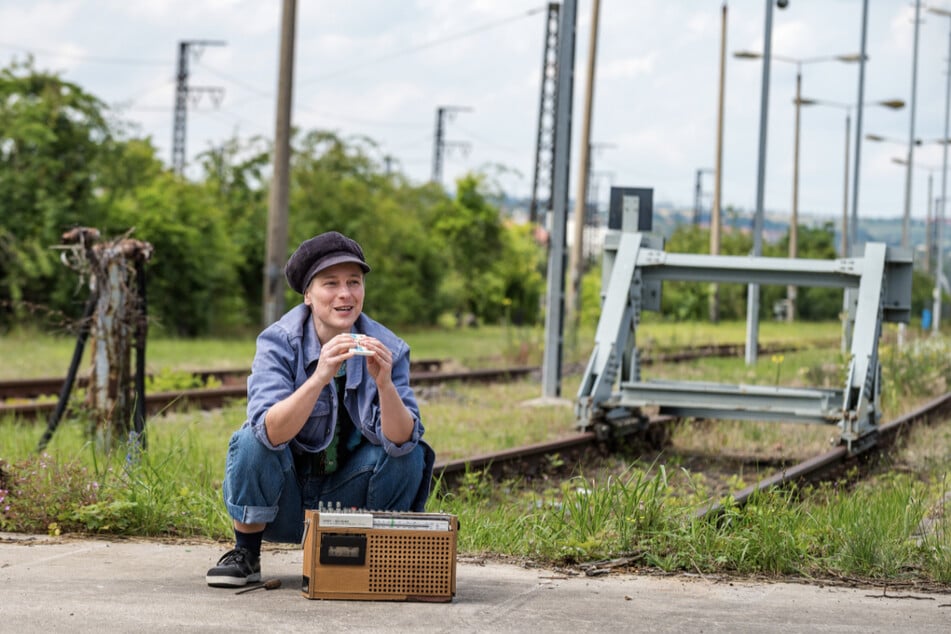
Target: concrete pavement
99	585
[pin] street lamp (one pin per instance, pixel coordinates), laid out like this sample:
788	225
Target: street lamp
893	104
906	213
752	290
794	214
935	324
885	139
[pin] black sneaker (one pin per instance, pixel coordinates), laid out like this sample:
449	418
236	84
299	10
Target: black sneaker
238	567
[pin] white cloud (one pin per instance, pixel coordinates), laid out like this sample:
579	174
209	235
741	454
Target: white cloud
380	67
627	68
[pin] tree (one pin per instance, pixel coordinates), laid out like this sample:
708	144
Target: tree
471	230
237	176
53	134
335	185
192	276
66	161
813	303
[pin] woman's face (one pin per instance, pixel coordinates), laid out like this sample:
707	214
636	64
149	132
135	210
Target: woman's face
335	296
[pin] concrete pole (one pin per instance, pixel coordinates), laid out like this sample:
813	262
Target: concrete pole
845	189
929	224
851	295
280	181
794	216
573	292
718	171
940	211
906	215
859	105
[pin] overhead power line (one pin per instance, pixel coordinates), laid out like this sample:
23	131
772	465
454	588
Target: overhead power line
424	45
185	93
94	59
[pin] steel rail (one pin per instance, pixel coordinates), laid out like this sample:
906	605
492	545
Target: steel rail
498	462
35	387
211	398
819	467
424	371
527	459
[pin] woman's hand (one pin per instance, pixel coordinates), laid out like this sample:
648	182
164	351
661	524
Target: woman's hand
380	363
332	355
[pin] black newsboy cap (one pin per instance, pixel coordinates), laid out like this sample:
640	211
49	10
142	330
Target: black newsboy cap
319	253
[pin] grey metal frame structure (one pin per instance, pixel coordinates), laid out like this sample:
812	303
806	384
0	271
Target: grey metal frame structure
612	394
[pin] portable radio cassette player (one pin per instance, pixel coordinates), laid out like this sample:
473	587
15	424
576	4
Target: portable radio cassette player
379	555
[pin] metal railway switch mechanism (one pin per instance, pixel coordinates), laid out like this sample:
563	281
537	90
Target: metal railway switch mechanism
613	396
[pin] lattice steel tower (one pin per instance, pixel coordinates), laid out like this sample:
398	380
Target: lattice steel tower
440	144
545	143
182	92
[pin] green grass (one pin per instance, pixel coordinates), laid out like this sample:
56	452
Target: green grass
896	531
633	506
29	354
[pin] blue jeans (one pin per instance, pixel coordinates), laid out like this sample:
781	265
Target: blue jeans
264	486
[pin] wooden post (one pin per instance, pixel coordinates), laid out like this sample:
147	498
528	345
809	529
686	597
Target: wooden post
111	267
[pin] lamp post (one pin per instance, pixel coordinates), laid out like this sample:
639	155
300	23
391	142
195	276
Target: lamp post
893	104
715	211
752	290
856	172
794	214
939	221
906	214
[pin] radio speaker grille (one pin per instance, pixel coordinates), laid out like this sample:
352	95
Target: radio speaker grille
410	564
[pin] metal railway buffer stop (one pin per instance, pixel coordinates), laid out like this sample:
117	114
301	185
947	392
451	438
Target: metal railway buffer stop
613	398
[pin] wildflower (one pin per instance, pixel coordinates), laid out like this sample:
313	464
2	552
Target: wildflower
778	360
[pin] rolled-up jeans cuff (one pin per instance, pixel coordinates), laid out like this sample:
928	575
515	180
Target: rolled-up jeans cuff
252	514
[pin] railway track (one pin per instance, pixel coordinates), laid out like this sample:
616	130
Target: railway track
18	389
525	460
15	393
233	387
837	460
533	459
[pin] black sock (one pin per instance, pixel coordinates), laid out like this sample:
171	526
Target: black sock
251	541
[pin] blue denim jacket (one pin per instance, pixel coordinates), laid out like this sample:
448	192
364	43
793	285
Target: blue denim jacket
287	353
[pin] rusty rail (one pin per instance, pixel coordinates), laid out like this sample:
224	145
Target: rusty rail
211	398
531	458
423	370
36	387
819	467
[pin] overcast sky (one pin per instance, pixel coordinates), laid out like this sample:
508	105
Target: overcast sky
380	68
